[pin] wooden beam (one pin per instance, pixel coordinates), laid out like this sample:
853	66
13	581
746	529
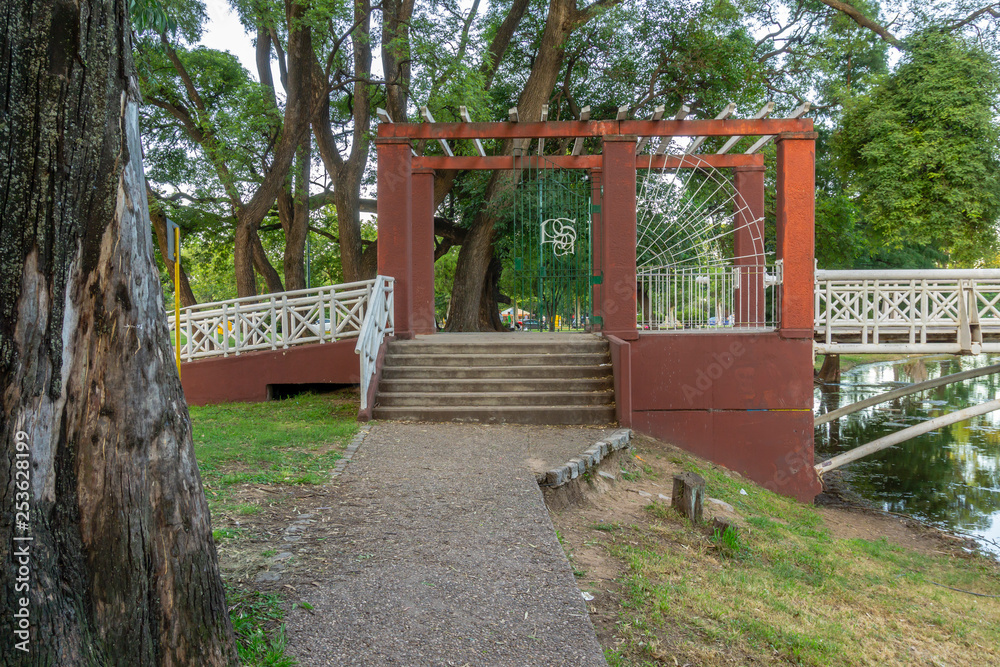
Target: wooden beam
799	112
724	114
764	112
657	115
545	117
463	113
426	114
502	162
681	114
584	116
595	128
383	117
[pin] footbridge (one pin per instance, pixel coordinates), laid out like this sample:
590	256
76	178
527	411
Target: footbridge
907	312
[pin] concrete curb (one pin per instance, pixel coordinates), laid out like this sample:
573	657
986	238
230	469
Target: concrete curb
359	438
591	458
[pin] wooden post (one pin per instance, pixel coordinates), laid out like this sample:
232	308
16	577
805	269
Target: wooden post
688	495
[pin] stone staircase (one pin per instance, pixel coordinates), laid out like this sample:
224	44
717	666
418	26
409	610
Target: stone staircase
516	378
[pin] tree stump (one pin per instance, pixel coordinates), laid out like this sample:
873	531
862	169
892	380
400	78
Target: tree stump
688	495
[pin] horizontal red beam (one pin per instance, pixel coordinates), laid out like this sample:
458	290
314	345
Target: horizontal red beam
463	162
595	128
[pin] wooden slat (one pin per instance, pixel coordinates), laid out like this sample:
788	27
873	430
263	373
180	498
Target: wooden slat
463	112
724	114
383	117
584	116
426	114
681	114
545	117
657	115
799	112
764	112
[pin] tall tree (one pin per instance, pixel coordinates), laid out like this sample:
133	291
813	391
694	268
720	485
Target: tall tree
920	151
120	568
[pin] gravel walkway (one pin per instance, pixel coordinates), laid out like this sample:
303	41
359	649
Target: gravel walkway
446	555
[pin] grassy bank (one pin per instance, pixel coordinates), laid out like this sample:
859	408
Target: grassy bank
294	441
253	458
785	589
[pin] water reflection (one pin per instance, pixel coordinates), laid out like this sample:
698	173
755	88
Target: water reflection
950	476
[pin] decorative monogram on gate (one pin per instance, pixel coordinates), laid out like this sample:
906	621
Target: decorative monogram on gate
561	233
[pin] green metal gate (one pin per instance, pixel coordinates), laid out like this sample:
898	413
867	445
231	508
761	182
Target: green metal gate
552	247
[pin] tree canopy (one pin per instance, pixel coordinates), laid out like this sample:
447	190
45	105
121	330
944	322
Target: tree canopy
252	164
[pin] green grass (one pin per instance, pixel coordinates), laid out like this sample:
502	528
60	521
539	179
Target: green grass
783	590
294	441
260	635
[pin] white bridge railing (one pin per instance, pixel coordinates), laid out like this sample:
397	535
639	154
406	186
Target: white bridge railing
273	321
708	298
379	323
903	311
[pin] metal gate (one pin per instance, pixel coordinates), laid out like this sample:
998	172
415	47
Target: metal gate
552	248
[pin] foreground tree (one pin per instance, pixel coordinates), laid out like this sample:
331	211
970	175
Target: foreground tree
121	566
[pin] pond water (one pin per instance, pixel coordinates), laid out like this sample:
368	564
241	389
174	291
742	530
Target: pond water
949	477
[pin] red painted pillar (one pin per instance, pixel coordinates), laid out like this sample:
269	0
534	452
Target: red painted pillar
422	255
748	246
618	307
394	224
796	230
596	246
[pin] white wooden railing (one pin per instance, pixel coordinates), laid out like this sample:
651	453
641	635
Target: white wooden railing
273	321
931	311
379	323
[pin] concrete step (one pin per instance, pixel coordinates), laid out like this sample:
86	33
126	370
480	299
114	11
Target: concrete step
498	399
493	372
503	345
394	358
495	385
529	414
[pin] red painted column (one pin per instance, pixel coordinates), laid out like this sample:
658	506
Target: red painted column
422	256
618	238
596	245
748	245
394	224
796	233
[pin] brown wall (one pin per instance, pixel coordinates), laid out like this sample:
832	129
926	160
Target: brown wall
741	400
245	378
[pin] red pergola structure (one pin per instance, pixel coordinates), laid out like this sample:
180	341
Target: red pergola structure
743	400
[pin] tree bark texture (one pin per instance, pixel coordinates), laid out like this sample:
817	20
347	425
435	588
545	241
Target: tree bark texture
123	570
293	213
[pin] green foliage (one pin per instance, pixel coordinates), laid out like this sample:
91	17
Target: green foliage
294	441
920	151
260	635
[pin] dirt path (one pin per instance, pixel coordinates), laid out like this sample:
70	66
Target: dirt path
436	548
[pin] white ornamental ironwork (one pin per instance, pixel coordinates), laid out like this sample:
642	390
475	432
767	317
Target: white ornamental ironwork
561	233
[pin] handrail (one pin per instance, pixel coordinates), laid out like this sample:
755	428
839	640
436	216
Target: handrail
272	321
379	322
908	274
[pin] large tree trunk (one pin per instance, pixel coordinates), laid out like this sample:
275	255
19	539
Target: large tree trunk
470	311
120	568
293	212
